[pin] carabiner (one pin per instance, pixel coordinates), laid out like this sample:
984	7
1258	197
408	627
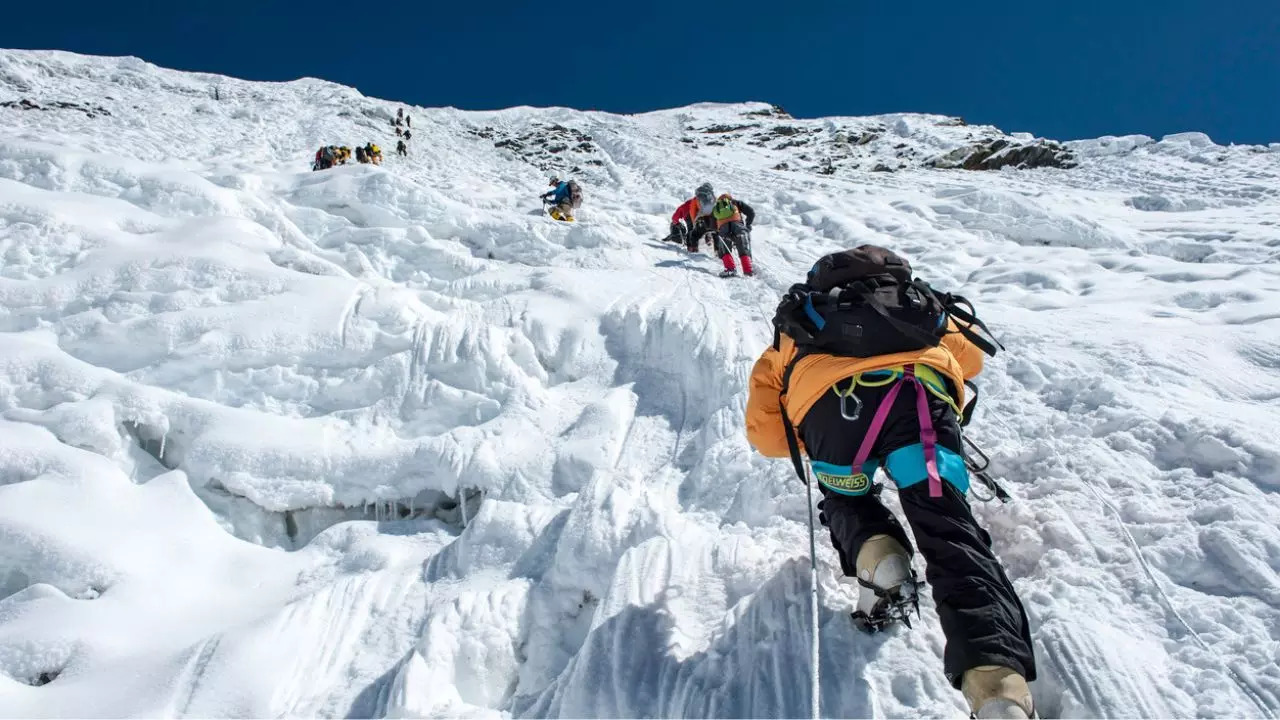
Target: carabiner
844	398
857	406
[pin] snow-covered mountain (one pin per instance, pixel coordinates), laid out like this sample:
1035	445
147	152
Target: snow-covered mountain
387	441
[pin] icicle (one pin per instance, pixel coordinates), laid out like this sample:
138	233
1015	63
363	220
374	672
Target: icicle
410	507
462	503
163	437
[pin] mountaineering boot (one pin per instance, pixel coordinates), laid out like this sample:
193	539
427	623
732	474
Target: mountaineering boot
887	585
994	691
747	269
730	269
728	273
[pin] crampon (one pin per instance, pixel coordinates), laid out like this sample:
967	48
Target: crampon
892	606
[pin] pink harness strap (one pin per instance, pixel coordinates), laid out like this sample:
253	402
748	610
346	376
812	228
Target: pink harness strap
928	435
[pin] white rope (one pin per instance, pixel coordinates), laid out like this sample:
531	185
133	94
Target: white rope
1241	681
815	685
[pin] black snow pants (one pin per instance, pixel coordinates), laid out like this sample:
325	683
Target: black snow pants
701	227
733	236
981	615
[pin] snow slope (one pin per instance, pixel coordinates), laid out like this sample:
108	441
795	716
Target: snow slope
389	442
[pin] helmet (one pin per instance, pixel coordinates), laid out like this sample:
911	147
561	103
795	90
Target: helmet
553	179
705	195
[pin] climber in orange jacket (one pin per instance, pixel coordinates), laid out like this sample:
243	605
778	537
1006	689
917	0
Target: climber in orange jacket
867	372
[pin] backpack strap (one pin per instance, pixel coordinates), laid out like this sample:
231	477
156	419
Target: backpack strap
967	413
907	329
955	305
792	445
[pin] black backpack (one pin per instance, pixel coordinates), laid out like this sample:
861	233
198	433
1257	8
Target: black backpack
865	302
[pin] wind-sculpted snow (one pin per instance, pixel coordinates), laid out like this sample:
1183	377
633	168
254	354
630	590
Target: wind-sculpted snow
390	442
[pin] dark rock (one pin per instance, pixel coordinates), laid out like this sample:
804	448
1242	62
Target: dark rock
43	678
881	167
773	111
720	129
787	130
1001	153
782	166
25	104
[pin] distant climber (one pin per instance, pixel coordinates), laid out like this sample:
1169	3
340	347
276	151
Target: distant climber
326	156
398	131
360	158
692	220
406	121
867	370
564	198
344	154
733	220
373	153
408	136
401	149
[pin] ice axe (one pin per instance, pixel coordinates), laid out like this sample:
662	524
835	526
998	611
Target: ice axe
978	468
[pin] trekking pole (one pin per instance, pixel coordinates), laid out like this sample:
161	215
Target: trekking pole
814	655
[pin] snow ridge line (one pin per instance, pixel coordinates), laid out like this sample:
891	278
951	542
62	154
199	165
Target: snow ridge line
350	311
195	672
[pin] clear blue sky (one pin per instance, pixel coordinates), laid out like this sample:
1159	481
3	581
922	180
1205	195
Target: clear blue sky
1059	69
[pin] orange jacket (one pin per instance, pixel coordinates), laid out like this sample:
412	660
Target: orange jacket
735	217
955	358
